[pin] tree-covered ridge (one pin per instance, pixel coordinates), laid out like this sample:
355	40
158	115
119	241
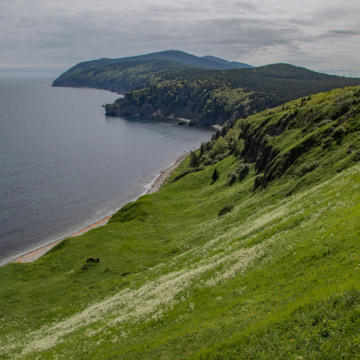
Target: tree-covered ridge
214	97
218	264
209	62
121	77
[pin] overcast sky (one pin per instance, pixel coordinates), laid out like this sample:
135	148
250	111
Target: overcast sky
48	36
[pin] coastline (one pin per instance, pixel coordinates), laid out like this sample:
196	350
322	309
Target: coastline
165	174
36	253
217	127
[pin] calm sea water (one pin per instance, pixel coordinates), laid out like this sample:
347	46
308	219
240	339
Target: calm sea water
65	165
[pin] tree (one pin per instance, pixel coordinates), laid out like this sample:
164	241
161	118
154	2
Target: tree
202	150
194	160
215	175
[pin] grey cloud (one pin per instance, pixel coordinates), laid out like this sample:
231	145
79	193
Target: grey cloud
52	33
342	33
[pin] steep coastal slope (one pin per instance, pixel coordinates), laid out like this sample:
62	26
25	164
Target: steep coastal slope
174	55
261	261
214	97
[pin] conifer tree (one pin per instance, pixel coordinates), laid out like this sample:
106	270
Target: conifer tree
194	160
202	150
215	175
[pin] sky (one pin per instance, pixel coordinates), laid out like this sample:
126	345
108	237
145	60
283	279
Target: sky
46	37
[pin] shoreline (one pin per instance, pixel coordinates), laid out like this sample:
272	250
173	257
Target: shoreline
217	127
36	253
158	182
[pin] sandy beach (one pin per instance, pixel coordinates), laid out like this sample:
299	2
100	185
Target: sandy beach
35	254
164	174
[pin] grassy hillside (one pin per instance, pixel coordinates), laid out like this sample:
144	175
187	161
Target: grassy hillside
214	97
121	77
172	55
262	263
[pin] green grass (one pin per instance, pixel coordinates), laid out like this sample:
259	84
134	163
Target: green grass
276	278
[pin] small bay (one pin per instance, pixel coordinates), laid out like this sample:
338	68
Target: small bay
64	164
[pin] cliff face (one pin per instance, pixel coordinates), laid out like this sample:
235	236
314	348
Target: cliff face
181	104
123	107
148	110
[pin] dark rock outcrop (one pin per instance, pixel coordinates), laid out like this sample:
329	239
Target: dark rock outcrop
146	110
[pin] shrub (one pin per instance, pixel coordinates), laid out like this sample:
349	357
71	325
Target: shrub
231	135
207	162
214	162
225	209
267	138
342	109
204	158
339	131
239	146
306	168
232	178
220	157
242	170
220	147
327	142
314	128
324	122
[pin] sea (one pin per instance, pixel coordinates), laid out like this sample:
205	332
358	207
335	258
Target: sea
65	165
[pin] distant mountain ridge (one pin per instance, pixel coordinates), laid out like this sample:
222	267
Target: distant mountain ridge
235	64
208	61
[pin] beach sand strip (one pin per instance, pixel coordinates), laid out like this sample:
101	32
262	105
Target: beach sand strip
165	174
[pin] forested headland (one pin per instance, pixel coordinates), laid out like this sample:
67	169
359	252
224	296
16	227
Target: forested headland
209	97
124	74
